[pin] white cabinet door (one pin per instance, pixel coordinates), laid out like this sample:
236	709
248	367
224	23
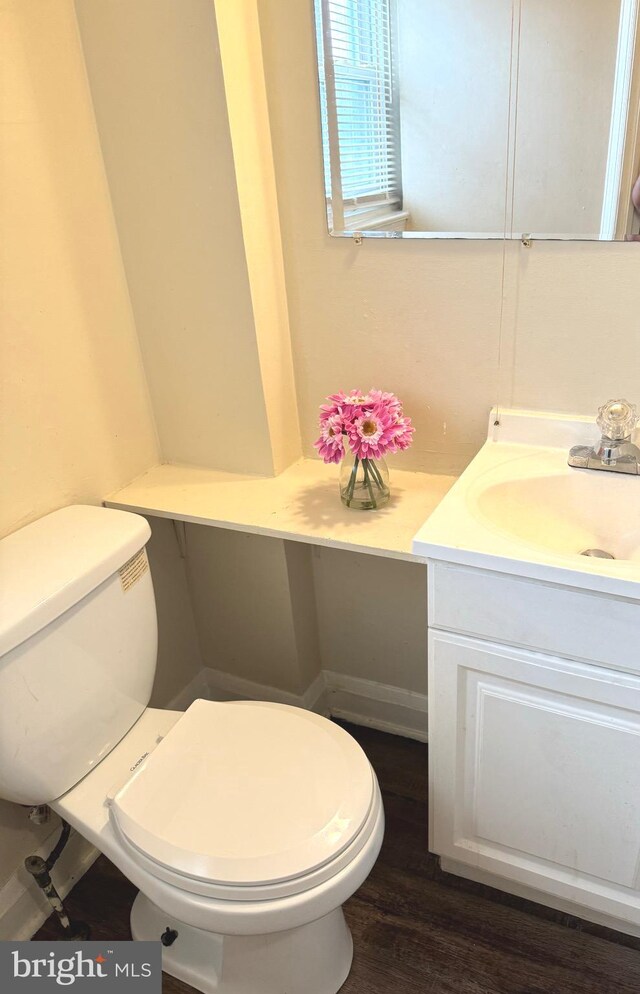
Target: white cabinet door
535	771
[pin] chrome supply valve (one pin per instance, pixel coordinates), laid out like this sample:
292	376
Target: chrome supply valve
615	452
40	814
617	420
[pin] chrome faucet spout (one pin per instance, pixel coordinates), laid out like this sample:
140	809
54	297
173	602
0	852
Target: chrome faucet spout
615	452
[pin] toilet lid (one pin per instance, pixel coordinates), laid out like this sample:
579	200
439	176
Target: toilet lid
247	793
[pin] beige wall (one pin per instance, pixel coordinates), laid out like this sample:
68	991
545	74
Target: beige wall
75	413
179	659
75	419
372	617
254	606
275	613
576	334
156	81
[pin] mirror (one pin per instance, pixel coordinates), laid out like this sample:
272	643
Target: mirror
480	118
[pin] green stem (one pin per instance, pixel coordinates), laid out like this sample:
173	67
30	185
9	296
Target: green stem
354	478
376	476
352	482
366	463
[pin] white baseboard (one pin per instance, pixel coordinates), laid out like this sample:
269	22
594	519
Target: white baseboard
378	705
23	906
227	687
363	702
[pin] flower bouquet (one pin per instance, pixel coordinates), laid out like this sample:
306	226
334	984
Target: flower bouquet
358	430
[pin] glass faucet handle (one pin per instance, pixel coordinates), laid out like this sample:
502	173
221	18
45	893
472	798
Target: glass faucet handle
617	419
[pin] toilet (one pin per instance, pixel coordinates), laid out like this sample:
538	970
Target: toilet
244	825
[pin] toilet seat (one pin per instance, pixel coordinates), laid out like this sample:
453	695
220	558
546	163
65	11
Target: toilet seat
246	800
263	892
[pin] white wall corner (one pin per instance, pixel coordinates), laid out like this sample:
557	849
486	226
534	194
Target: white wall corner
248	113
215	685
198	688
316	697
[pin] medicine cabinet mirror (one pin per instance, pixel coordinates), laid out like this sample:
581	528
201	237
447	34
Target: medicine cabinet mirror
480	118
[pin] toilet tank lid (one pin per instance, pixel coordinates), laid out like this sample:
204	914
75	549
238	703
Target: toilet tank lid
51	564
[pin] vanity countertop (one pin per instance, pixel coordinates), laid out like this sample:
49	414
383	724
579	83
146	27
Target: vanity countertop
519	509
302	504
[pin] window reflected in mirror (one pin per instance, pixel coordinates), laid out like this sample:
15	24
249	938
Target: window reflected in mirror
480	118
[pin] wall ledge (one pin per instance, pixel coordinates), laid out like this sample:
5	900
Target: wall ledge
302	504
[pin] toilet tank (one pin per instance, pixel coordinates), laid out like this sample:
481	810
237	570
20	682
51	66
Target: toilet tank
78	646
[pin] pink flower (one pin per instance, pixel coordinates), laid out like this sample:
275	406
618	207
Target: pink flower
355	399
371	433
328	411
342	399
330	444
389	400
372	423
349	405
403	435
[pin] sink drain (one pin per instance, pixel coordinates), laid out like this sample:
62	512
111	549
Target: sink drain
597	554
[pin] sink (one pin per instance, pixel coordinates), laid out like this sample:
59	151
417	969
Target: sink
566	514
519	508
534	672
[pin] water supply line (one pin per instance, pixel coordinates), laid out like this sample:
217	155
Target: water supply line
40	870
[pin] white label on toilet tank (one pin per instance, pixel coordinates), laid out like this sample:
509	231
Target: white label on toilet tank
133	569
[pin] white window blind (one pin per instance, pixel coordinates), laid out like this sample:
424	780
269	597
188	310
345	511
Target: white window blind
360	121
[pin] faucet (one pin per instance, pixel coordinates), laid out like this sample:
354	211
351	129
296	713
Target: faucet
615	452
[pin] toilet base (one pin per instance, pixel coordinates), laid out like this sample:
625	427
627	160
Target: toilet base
311	959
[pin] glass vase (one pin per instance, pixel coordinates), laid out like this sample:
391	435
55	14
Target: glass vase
364	483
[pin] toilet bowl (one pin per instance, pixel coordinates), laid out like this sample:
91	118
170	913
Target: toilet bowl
244	825
284	926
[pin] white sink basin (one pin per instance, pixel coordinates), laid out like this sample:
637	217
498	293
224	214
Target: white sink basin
519	508
567	514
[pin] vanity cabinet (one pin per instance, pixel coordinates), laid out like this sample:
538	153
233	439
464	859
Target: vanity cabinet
534	741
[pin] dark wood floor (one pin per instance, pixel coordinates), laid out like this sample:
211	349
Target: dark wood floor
417	930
